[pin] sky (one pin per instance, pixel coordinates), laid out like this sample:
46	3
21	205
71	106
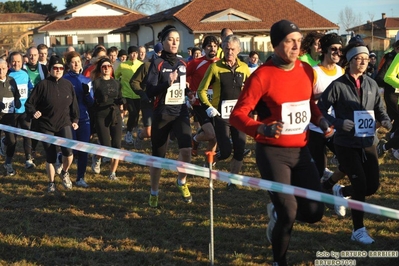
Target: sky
327	9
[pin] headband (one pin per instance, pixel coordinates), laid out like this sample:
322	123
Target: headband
355	51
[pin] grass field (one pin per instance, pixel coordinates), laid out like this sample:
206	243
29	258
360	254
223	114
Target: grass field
110	223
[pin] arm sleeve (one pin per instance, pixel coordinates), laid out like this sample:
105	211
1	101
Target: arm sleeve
327	99
74	107
204	85
33	100
17	96
153	86
137	82
391	77
249	97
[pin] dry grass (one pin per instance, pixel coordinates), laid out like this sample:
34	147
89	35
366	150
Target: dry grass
110	223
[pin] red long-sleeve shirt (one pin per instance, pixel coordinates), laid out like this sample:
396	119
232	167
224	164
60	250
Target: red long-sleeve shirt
277	94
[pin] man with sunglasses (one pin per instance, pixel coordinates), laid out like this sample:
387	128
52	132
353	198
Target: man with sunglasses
324	73
54	106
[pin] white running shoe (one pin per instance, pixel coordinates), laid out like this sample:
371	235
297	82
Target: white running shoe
272	221
66	181
340	210
95	164
58	163
362	236
29	164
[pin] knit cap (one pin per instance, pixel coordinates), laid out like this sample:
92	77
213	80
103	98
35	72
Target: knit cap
281	29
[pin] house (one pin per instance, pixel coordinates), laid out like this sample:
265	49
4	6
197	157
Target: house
16	30
85	26
250	20
379	34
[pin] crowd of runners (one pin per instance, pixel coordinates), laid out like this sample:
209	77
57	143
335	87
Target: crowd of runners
314	94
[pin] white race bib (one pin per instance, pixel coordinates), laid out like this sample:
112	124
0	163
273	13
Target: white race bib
175	93
23	90
296	117
9	103
364	123
227	107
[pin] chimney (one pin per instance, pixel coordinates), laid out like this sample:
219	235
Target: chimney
384	16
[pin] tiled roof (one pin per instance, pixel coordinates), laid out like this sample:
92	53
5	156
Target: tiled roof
384	23
92	22
21	17
73	9
192	13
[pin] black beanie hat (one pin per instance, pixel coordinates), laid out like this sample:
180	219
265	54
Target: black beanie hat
328	40
54	59
281	29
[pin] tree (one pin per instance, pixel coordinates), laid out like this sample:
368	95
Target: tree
27	7
348	18
148	7
71	3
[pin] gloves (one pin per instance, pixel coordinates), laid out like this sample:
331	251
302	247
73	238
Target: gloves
348	125
212	112
85	88
2	106
326	128
273	129
143	97
386	124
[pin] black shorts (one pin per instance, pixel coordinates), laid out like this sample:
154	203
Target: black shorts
200	114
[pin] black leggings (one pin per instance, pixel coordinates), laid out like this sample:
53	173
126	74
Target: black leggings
317	146
133	106
11	139
51	149
223	130
361	166
109	133
291	166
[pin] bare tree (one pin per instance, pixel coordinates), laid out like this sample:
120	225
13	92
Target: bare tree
348	18
149	7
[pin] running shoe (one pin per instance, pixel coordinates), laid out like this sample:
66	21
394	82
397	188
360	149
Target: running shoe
9	170
153	201
129	137
58	163
380	148
66	181
82	183
340	210
185	192
51	187
361	235
113	177
95	164
29	164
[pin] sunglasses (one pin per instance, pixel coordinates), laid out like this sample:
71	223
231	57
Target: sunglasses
55	68
336	49
106	66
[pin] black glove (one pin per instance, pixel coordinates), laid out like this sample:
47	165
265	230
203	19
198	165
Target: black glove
324	124
273	129
143	96
326	128
2	106
85	88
